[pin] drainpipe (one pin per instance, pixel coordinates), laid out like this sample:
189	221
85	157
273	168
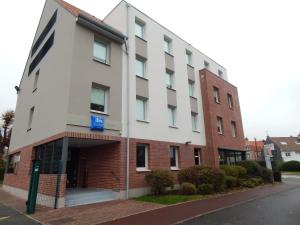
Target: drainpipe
128	104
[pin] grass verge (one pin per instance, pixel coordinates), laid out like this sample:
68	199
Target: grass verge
290	173
169	199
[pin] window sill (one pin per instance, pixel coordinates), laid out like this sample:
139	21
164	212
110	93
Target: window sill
99	112
174	168
193	97
34	90
196	131
143	78
141	38
100	61
29	129
190	65
171	88
174	127
143	121
142	170
221	134
169	54
217	102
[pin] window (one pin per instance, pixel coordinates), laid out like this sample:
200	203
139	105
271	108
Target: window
167	45
140	67
174	157
297	142
206	64
219	125
13	163
220	73
171	116
197	156
283	143
230	102
233	128
191	88
139	29
194	121
216	95
99	98
169	79
287	154
31	112
100	51
141	157
188	57
141	109
36	78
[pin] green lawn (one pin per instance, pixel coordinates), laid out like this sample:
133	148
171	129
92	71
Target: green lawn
169	199
291	173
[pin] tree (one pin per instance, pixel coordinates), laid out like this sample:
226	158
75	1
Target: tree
5	132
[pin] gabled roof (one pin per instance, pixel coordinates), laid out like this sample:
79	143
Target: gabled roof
291	143
255	145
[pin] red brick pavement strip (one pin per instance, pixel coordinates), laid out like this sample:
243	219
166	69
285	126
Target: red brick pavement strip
180	212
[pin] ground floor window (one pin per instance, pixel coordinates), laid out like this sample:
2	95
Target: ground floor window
174	157
141	157
231	157
50	156
13	163
197	156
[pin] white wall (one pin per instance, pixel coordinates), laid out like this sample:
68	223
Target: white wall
295	156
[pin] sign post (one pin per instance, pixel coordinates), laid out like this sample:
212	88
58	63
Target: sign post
268	148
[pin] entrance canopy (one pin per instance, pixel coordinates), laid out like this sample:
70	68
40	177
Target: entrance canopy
87	143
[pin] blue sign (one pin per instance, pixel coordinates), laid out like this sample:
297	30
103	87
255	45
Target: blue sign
97	123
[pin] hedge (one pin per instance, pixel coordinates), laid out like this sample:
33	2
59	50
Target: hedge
234	171
252	167
188	189
159	180
293	166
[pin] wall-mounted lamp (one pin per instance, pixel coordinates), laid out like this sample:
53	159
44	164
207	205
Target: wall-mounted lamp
17	89
188	142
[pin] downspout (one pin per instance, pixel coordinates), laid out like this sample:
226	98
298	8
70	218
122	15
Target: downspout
128	104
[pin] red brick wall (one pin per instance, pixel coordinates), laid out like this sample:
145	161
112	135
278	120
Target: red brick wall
211	110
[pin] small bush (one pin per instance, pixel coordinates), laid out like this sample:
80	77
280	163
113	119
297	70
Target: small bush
252	167
234	171
257	180
213	176
188	189
205	189
231	181
159	180
293	166
247	183
267	175
277	176
190	175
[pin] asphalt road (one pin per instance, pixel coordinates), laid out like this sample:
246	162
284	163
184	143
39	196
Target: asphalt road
9	216
277	209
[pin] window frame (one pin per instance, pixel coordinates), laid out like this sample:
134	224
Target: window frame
167	45
220	122
106	98
107	51
36	79
176	148
220	73
171	75
216	95
30	119
145	101
230	101
146	167
143	61
172	109
234	129
194	115
189	58
206	64
191	88
198	156
142	25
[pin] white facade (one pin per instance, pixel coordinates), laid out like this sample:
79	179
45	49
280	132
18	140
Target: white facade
290	156
123	18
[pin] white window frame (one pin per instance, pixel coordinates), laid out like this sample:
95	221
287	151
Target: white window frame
234	129
30	118
143	61
145	101
216	94
189	59
194	115
141	24
192	88
170	74
167	45
107	48
198	156
36	78
106	94
146	167
230	103
172	109
176	167
220	125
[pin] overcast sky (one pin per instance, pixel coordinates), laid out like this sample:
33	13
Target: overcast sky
258	41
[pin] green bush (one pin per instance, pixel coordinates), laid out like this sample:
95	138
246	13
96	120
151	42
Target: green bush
159	180
231	181
252	167
293	166
214	176
257	180
234	171
190	175
267	175
247	183
277	176
188	189
205	189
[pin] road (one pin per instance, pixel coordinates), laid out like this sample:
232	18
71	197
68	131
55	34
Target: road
277	209
10	216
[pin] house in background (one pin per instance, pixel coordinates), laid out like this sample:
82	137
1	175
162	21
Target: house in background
102	103
254	149
286	148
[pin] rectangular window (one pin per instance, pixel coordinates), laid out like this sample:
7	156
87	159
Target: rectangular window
233	128
230	102
100	51
167	45
99	97
169	79
194	121
140	67
206	64
13	163
188	57
216	95
197	156
220	73
219	125
36	78
141	109
171	116
141	157
31	112
287	154
191	88
174	157
139	29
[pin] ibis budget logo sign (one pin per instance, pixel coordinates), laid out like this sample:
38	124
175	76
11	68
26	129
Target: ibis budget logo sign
97	123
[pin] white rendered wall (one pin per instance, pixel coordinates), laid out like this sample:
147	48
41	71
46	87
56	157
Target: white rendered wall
295	156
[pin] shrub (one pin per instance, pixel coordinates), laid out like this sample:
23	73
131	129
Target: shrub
267	175
231	181
291	166
188	189
257	180
213	176
159	180
277	176
2	170
247	183
234	171
252	167
205	189
190	175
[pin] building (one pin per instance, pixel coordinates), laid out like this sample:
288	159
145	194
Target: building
255	149
285	148
112	100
